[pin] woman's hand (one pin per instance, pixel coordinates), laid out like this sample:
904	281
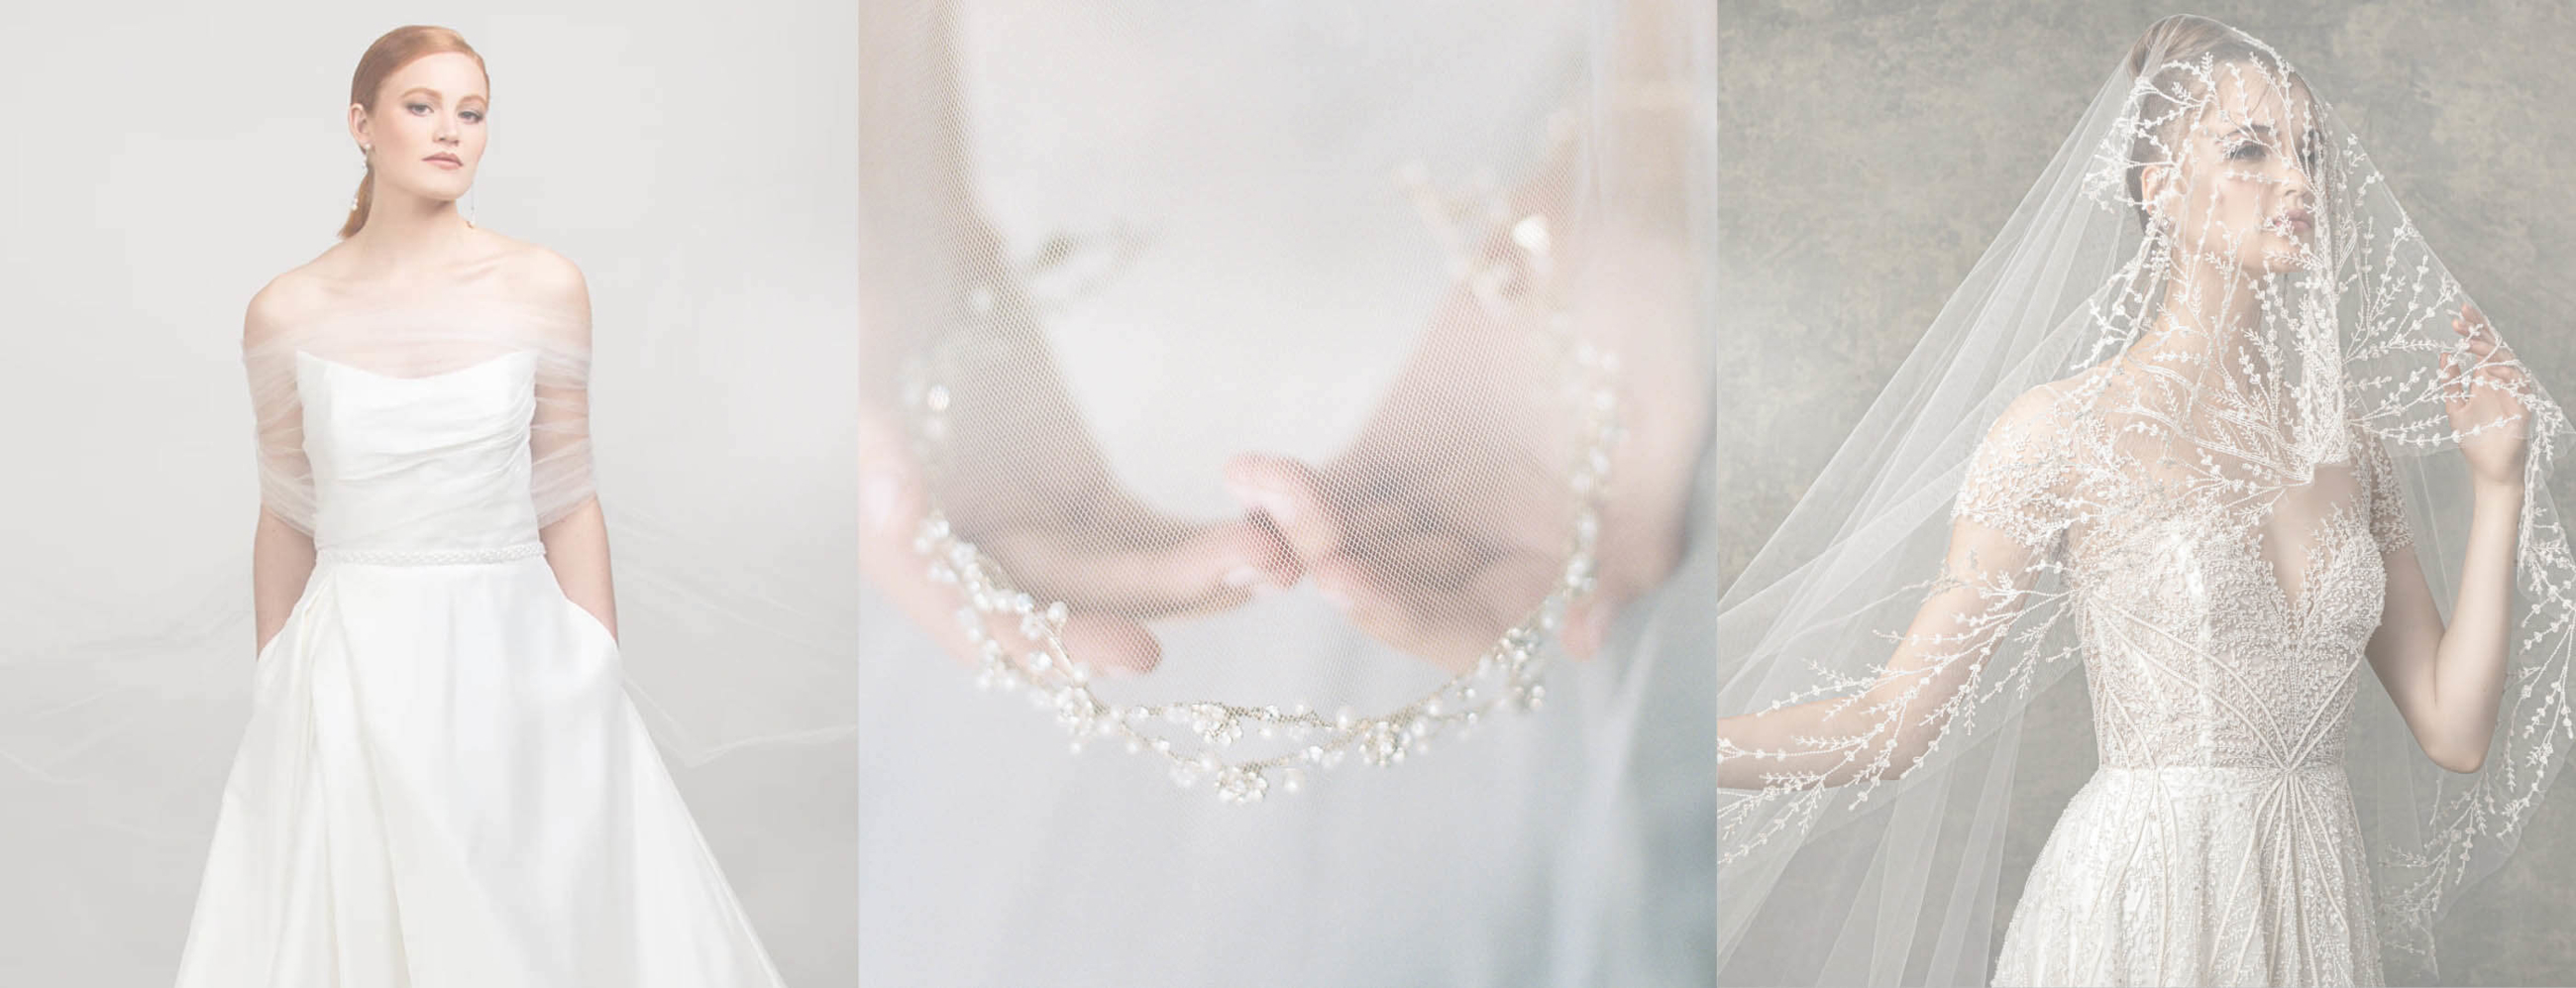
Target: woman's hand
2487	399
1448	520
1111	571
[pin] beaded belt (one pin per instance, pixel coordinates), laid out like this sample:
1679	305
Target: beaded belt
430	557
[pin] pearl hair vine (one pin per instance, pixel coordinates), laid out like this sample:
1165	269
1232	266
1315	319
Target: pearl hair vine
1193	739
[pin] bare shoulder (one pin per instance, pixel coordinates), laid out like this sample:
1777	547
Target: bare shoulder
541	281
288	300
542	276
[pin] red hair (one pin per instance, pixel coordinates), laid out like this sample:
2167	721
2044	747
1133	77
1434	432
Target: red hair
399	47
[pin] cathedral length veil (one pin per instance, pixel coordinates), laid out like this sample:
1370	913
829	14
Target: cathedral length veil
1452	256
717	362
1873	880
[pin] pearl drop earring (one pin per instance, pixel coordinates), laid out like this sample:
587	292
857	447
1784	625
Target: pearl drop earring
364	150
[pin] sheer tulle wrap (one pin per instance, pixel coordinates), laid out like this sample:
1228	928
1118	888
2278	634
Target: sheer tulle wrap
420	344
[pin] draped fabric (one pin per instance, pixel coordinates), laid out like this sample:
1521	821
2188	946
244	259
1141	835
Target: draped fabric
1266	397
699	382
443	780
2212	423
422	341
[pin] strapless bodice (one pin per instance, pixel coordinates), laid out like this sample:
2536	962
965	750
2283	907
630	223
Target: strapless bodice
420	466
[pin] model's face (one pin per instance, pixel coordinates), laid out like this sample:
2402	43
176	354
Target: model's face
426	130
2246	167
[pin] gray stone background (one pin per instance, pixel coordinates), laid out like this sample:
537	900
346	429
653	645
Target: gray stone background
1870	151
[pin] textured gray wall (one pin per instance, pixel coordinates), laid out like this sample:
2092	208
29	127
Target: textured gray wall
1872	150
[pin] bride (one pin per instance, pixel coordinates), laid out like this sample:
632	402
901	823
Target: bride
443	781
2212	420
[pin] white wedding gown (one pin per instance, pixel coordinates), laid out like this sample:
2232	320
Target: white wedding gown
2217	844
443	782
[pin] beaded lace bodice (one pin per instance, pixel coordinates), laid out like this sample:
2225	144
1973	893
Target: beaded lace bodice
2188	403
2222	621
2222	589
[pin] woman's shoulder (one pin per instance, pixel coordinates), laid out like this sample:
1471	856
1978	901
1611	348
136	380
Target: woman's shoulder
534	280
2370	450
538	273
2021	466
512	273
2051	410
2047	410
287	300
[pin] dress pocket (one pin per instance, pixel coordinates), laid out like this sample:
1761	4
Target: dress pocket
259	660
294	617
582	616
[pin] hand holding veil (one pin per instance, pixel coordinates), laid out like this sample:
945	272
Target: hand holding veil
1370	257
1459	528
2207	417
1403	530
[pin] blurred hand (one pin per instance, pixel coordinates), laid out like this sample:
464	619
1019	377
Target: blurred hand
1449	518
1111	571
1021	480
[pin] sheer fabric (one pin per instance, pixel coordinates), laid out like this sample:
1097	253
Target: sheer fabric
2205	409
419	342
715	389
443	779
1444	266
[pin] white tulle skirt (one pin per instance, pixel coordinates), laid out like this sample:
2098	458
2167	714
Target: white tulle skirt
2198	875
443	783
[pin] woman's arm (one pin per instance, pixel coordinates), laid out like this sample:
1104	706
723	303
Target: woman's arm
1883	732
576	540
281	556
2008	513
281	559
577	548
2449	681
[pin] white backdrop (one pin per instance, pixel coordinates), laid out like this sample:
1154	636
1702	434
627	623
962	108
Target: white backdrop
158	169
